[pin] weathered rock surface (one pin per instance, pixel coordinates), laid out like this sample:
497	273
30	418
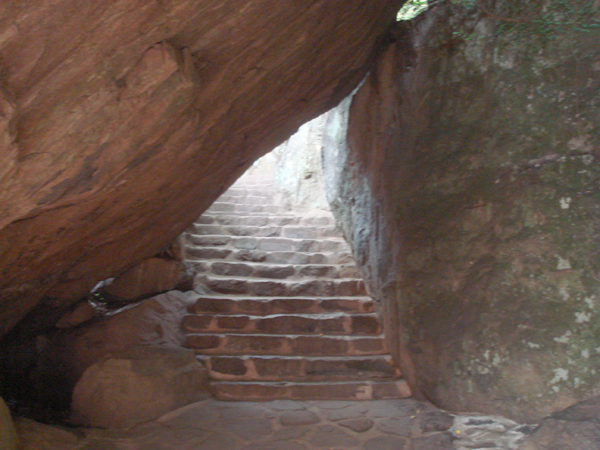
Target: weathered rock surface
64	356
120	122
8	435
471	192
151	276
80	313
299	169
577	427
136	386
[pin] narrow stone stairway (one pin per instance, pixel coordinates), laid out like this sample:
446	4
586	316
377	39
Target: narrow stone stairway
283	312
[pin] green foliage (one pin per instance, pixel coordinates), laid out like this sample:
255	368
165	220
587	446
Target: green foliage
411	9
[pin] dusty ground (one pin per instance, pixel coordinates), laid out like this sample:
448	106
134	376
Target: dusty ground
291	425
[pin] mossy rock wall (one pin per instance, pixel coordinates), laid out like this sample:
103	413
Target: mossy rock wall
471	188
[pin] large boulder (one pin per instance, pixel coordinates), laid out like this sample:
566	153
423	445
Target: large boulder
121	121
138	385
469	182
577	427
145	333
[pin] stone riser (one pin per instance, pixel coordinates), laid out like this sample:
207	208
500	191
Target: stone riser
262	288
270	244
357	390
246	198
245	344
261	306
285	231
261	368
228	208
276	271
330	324
212	253
258	220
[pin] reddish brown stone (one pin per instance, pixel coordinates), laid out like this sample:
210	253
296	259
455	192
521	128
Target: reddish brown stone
202	341
365	325
195	323
288	325
309	345
229	286
337	325
214	305
293	305
369	346
206	253
231	269
269	288
278	368
275	272
316	271
152	276
232	366
257	345
232	322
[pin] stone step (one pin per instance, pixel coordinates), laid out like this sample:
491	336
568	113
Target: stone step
298	368
255	181
345	287
197	255
276	271
258	220
284	345
261	306
270	244
333	323
340	390
247	199
244	208
285	231
265	219
247	191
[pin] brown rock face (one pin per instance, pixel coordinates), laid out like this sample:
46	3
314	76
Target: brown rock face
121	121
469	185
151	276
137	386
146	327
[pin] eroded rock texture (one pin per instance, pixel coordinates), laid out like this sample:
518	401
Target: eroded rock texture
121	121
471	192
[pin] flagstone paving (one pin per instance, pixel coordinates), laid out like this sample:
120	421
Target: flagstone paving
292	425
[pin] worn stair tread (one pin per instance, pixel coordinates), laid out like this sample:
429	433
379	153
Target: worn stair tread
276	271
242	304
276	287
233	297
306	324
202	237
285	280
382	357
298	368
199	254
294	336
284	344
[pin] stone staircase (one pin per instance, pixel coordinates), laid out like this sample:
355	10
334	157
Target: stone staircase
283	312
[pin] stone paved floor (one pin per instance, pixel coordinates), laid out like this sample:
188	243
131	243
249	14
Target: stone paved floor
291	425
